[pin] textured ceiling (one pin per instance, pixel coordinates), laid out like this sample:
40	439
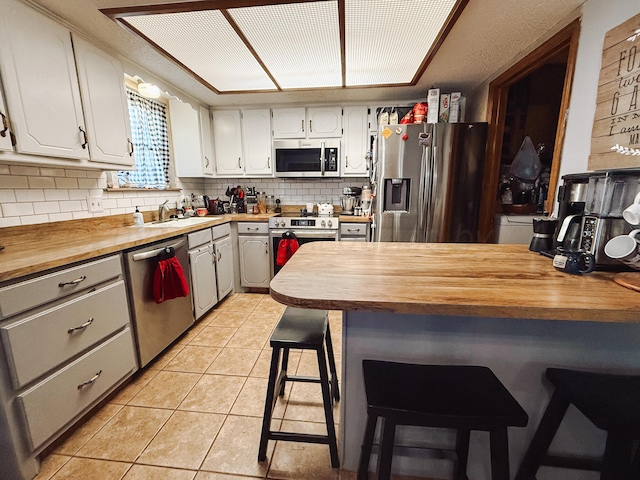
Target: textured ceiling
488	35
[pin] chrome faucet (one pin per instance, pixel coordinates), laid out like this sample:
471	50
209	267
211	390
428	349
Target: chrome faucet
163	209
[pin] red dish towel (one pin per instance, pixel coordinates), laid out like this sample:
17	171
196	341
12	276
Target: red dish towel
286	248
169	281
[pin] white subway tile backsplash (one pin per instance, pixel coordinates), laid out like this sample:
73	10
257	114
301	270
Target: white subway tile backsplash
17	209
87	183
5	170
13	181
80	194
64	182
41	182
80	215
23	170
51	195
52	172
124	202
33	195
46	207
7	196
71	206
60	217
33	219
75	173
9	222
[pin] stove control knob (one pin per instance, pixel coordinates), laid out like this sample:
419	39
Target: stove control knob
323	223
330	223
282	223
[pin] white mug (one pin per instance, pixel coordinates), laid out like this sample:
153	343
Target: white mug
632	213
310	207
625	249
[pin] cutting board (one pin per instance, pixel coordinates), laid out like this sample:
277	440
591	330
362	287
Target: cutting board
628	279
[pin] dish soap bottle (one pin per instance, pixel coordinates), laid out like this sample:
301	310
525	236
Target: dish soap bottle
138	219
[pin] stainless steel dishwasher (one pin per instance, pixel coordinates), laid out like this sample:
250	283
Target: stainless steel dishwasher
156	325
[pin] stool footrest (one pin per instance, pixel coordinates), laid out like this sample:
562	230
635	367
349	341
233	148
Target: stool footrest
299	437
298	378
578	463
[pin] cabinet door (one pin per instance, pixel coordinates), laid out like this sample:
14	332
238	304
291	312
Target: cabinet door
254	261
256	141
325	122
203	279
105	104
185	139
356	133
5	127
289	123
207	140
227	142
40	82
224	266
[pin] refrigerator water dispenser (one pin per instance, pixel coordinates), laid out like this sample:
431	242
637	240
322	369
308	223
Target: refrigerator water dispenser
396	194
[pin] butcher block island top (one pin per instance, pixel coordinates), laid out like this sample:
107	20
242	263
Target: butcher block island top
485	280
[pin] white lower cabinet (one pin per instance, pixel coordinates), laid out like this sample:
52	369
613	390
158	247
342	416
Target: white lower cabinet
223	249
203	272
253	243
66	343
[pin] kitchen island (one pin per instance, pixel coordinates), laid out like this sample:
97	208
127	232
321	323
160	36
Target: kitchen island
496	305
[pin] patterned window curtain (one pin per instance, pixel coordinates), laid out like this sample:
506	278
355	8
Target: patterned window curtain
151	144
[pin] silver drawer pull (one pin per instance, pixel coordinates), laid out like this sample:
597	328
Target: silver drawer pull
353	229
73	282
81	327
90	381
256	228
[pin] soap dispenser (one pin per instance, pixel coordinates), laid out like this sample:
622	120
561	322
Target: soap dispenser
138	219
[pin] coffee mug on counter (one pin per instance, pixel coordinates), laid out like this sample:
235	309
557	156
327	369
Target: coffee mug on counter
573	261
632	213
625	249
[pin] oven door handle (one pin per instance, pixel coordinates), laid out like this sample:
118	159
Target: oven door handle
300	234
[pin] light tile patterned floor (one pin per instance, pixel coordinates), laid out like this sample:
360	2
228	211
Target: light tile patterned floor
196	411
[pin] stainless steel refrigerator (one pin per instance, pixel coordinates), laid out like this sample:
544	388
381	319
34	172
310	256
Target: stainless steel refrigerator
428	180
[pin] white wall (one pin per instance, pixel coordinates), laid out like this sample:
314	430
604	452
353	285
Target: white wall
598	17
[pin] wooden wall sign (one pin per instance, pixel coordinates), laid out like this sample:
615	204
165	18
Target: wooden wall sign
615	138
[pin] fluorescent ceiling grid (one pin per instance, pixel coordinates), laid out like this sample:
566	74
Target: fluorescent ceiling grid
297	45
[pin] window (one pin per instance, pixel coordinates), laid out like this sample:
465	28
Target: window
151	144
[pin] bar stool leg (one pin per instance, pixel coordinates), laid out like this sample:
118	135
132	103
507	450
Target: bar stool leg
328	408
282	379
616	464
335	392
367	446
268	405
385	457
543	437
499	442
462	452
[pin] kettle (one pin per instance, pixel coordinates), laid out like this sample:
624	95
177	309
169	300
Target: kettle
325	209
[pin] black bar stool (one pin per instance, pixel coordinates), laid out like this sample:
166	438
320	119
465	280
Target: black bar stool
462	397
610	402
305	330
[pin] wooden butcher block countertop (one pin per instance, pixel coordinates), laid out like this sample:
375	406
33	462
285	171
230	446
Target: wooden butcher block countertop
36	248
448	279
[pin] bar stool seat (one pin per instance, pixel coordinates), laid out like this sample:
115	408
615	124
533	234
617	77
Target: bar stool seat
302	329
611	402
463	398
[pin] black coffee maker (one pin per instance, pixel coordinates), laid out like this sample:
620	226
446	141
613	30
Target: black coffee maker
543	234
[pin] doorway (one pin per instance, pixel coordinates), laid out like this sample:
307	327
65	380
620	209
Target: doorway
530	99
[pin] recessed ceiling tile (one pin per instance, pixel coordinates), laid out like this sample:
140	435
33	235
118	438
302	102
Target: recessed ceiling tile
205	43
299	43
386	41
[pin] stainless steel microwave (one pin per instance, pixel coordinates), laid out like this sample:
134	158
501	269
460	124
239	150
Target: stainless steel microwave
307	158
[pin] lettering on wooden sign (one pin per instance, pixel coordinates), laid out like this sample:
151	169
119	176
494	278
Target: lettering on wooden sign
615	138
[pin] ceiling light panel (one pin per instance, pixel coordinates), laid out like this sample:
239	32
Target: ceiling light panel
206	44
299	43
386	41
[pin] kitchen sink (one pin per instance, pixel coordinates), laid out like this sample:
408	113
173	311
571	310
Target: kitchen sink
180	222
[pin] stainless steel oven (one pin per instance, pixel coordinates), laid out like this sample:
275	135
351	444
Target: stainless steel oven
306	229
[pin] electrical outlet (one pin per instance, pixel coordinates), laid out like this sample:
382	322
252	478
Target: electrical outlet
94	204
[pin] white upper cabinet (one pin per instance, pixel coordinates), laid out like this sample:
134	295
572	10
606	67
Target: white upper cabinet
256	141
206	139
105	104
227	142
298	122
5	127
289	122
325	122
40	82
185	139
356	134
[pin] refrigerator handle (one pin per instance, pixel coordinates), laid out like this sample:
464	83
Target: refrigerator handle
423	196
433	179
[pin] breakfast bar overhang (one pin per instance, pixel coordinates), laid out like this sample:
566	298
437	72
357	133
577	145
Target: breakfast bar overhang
500	306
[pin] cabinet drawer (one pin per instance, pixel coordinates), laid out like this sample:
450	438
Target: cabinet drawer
253	227
40	342
353	229
201	237
220	231
54	402
37	291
